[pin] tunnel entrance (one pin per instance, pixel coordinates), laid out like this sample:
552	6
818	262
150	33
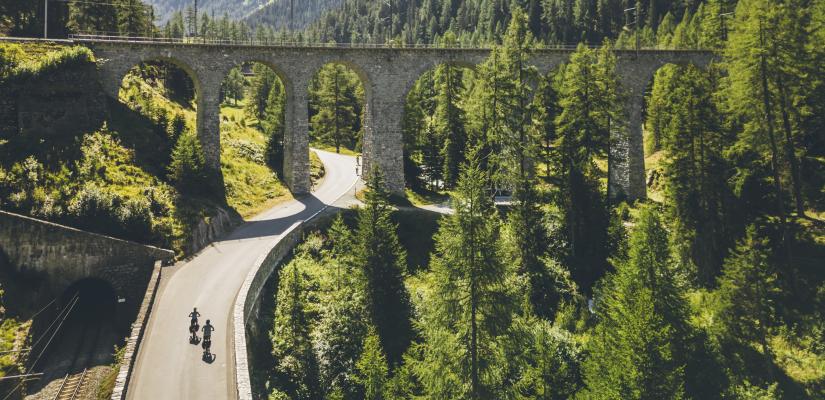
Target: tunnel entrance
92	300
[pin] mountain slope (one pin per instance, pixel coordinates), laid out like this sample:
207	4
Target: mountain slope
277	13
235	9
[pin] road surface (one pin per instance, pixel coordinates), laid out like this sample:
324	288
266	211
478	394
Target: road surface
168	366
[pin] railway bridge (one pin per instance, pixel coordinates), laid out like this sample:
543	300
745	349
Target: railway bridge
388	74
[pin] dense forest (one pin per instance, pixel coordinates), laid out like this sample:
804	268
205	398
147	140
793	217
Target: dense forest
713	288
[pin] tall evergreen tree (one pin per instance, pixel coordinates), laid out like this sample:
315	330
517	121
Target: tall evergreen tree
335	103
449	117
641	312
295	365
470	306
695	169
383	262
590	109
748	291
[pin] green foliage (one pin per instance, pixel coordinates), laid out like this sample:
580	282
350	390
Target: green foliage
634	349
372	368
696	172
382	261
296	367
590	110
748	291
335	105
187	169
233	86
469	309
547	358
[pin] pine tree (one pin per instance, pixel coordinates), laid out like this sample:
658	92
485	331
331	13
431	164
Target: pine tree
233	85
449	117
340	333
296	369
382	261
260	88
590	109
335	103
470	306
273	125
372	368
641	312
695	170
188	166
748	291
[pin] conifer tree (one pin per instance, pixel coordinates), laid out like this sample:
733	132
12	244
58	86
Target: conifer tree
260	88
372	368
273	125
695	169
188	166
449	117
335	102
470	306
642	313
382	261
748	291
296	369
590	109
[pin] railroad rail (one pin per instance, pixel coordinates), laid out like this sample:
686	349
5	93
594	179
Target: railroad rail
72	386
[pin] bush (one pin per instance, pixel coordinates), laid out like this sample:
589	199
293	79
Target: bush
10	55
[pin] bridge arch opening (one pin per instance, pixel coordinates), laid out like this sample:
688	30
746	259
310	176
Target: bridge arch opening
253	124
435	127
338	108
161	96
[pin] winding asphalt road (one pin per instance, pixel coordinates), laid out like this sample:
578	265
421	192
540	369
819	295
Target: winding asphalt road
168	366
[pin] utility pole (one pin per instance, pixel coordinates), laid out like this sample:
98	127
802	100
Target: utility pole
196	19
724	22
45	19
635	24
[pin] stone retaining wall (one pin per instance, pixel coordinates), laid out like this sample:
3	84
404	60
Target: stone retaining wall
63	255
136	335
247	303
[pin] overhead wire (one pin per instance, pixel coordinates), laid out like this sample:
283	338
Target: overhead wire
65	314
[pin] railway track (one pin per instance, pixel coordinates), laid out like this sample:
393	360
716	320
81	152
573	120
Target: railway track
75	383
73	386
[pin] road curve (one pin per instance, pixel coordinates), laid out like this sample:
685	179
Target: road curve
168	366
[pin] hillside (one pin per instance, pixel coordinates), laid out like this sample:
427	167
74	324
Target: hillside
483	21
121	168
235	9
276	14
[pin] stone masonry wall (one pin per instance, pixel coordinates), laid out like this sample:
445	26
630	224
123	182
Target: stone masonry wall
63	255
388	74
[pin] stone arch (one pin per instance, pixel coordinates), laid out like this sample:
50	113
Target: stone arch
636	71
289	96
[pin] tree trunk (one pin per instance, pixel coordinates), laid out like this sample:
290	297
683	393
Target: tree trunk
790	149
769	122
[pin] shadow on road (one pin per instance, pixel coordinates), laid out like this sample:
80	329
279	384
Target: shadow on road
277	226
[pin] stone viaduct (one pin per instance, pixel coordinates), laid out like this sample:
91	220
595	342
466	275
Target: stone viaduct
388	74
